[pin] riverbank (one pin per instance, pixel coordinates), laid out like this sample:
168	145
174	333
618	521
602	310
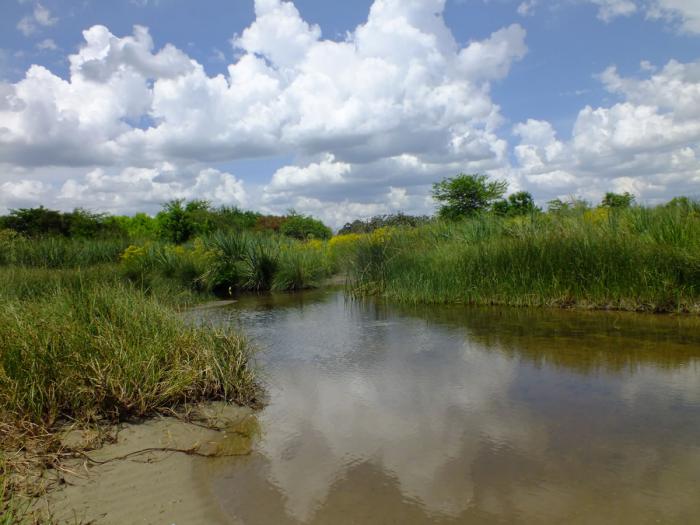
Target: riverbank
152	472
637	259
85	349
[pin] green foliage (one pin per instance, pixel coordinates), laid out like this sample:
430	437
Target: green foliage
633	259
618	200
227	262
574	204
176	221
110	352
383	221
80	223
520	203
58	252
304	227
302	266
139	226
466	195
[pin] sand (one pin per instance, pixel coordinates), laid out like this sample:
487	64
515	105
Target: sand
156	487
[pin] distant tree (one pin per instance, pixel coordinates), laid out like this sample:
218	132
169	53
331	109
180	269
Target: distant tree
574	203
381	221
520	203
34	222
226	217
465	195
138	226
269	223
305	227
86	224
618	200
684	204
175	224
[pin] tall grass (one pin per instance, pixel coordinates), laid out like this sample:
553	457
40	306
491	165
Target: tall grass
229	262
111	352
59	252
637	259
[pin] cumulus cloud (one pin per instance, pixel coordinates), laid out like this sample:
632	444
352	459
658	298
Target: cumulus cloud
648	143
398	93
370	120
126	190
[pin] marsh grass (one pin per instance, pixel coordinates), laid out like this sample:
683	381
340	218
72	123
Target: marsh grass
88	347
59	252
112	353
637	259
229	262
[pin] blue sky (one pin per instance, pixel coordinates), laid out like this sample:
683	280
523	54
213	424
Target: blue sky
515	107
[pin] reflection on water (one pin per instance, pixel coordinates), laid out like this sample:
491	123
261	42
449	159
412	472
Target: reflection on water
380	414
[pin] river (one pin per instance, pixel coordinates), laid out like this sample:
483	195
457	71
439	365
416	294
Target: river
386	414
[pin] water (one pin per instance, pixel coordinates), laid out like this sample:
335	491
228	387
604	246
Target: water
386	414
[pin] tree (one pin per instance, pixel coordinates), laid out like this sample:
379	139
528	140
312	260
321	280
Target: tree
304	227
520	203
34	222
175	224
467	195
574	203
618	200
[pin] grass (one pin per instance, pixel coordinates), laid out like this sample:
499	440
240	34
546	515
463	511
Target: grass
108	353
58	252
88	347
637	259
224	263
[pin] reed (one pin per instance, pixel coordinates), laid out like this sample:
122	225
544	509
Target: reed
637	259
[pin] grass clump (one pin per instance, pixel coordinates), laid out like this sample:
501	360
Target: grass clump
111	353
229	262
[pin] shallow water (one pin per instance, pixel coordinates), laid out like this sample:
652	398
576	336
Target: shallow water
386	414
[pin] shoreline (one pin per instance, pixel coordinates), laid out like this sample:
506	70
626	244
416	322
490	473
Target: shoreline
153	471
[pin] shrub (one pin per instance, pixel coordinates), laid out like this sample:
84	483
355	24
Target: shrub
303	227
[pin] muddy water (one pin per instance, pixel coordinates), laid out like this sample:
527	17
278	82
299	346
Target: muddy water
385	414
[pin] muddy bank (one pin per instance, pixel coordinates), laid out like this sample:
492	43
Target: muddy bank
154	473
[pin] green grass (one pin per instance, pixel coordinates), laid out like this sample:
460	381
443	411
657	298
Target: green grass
91	347
108	352
224	263
637	259
58	252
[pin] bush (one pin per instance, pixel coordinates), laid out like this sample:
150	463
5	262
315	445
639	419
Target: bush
303	227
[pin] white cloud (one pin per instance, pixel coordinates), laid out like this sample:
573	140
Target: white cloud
47	44
399	93
648	143
609	9
527	8
371	121
686	12
683	13
40	17
127	190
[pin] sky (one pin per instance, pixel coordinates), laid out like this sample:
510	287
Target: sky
344	110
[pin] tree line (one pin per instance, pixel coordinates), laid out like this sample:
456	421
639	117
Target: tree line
178	221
